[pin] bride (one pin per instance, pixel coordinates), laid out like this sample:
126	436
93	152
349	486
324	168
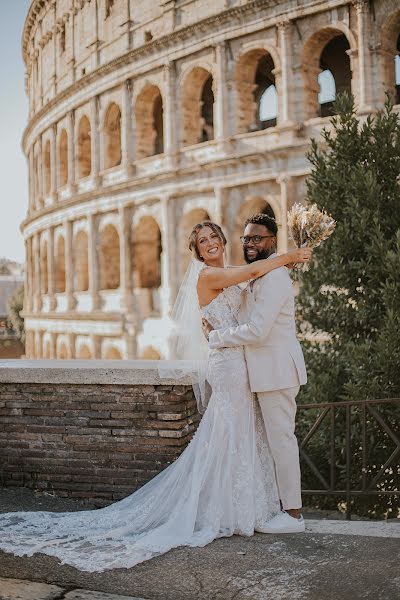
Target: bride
224	481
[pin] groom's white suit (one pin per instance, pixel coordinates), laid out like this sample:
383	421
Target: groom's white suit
276	369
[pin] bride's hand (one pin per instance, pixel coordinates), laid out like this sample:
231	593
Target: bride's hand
299	255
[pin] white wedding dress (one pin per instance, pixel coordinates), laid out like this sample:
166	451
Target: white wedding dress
222	484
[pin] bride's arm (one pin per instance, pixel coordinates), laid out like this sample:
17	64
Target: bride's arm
215	278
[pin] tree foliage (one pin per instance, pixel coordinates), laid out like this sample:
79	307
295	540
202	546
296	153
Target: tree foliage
350	298
15	306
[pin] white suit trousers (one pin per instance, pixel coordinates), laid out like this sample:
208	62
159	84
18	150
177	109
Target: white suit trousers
279	411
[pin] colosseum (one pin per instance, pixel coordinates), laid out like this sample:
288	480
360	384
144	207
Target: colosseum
146	117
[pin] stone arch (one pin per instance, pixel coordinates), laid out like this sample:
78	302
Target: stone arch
62	349
60	265
113	353
44	278
251	206
150	353
84	147
81	262
109	258
390	40
149	122
326	50
256	91
197	107
188	221
63	158
147	254
84	352
112	136
47	167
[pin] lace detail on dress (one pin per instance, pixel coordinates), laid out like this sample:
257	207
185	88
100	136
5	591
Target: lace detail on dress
222	484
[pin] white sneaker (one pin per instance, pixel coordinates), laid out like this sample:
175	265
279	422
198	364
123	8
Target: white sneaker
283	523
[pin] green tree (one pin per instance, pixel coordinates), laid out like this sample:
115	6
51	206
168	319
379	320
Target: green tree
350	298
15	306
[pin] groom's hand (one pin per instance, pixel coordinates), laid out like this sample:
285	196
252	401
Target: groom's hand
206	327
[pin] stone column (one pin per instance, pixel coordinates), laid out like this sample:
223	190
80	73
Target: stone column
220	106
168	258
71	151
127	129
125	259
284	34
71	63
27	278
93	263
96	343
31	181
170	113
51	270
69	268
53	353
36	278
95	132
285	182
40	175
362	8
53	164
221	197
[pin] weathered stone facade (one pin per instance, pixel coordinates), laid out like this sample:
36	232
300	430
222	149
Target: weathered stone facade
146	117
89	431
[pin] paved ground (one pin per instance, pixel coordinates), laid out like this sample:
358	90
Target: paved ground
333	560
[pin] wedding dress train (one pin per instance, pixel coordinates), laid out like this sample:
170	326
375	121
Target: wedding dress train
222	484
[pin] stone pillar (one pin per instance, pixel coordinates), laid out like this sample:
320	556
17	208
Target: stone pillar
170	114
285	183
31	181
40	174
364	63
53	353
71	63
95	131
71	345
36	278
284	34
53	164
127	129
221	198
51	270
125	259
96	343
93	263
168	258
71	151
27	279
69	269
221	122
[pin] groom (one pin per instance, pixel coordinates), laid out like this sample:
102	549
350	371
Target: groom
275	364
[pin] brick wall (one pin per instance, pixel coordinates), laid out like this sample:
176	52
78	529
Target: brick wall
97	442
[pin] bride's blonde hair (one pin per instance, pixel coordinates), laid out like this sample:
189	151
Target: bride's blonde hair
195	233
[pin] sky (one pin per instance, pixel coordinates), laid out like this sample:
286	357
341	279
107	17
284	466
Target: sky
13	119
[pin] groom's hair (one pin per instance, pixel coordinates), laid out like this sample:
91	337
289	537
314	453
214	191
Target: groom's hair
262	219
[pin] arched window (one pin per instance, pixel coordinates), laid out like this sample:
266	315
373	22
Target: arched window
109	258
60	265
84	148
326	71
149	122
80	261
197	107
150	353
112	131
63	157
257	102
47	167
84	352
147	254
113	353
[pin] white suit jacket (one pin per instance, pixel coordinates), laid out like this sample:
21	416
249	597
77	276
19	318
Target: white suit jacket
267	331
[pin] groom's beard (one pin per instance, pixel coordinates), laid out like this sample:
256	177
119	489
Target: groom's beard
263	253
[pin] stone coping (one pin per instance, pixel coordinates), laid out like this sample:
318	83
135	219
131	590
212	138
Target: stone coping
90	372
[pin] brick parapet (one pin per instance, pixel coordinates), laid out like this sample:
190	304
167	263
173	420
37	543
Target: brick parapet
92	441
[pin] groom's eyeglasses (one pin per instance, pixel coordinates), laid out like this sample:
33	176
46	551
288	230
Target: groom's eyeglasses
256	239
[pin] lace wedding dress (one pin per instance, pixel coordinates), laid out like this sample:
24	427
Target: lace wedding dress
222	484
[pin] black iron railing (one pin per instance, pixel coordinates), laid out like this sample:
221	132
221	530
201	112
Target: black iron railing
341	462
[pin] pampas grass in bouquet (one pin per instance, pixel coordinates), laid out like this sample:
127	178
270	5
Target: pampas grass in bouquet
309	226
